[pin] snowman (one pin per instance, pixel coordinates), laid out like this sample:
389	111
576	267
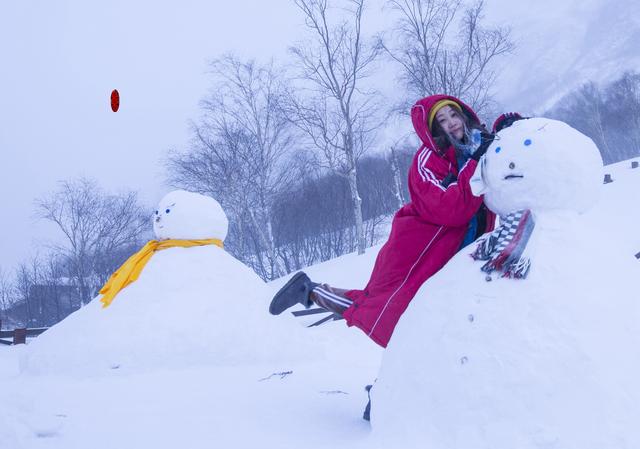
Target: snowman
531	347
181	300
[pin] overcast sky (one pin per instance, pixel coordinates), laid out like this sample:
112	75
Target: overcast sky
60	59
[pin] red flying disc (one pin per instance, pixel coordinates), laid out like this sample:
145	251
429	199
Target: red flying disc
115	100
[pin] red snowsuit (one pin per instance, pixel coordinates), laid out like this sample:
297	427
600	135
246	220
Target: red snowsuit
425	233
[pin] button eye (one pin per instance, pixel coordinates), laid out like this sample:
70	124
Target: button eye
512	165
157	212
167	211
527	142
498	149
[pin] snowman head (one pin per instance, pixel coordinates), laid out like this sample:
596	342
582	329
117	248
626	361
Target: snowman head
186	215
542	165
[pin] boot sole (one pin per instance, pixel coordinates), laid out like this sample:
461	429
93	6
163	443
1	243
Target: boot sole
280	303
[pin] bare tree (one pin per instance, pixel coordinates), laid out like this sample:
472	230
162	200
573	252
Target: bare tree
238	152
53	286
436	60
75	208
336	113
623	115
27	276
585	109
125	225
609	114
397	155
6	294
93	224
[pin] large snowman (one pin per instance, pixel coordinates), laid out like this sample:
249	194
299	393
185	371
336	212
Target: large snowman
189	305
550	360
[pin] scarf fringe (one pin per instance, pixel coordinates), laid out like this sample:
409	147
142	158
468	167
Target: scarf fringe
503	249
485	245
517	270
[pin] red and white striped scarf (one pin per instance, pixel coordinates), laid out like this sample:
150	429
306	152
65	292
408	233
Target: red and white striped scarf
503	249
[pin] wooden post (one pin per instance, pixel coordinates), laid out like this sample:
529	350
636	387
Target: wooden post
607	178
20	336
634	164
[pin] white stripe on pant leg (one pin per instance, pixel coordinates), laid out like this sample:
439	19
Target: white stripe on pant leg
403	282
333	299
330	297
333	295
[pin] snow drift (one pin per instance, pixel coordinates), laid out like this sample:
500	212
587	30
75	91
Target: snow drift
190	306
548	361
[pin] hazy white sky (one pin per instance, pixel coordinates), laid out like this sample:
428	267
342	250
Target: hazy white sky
60	59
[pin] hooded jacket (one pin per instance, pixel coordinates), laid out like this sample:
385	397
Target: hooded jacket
425	233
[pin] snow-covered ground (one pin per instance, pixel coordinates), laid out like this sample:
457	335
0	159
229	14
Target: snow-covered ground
317	402
311	401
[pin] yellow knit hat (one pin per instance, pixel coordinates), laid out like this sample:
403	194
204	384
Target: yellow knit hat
439	105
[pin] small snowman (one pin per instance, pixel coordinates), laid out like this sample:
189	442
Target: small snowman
548	360
195	220
181	300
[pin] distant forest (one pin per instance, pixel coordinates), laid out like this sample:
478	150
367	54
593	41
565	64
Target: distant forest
609	114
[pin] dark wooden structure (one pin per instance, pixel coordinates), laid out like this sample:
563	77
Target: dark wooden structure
19	336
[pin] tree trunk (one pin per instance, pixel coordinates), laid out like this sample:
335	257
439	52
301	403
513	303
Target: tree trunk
357	210
397	180
265	232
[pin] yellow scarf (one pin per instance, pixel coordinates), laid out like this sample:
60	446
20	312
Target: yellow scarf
131	269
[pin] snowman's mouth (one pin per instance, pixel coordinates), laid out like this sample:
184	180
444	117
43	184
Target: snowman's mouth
513	177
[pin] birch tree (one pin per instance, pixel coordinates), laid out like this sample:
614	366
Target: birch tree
435	59
332	107
238	152
397	178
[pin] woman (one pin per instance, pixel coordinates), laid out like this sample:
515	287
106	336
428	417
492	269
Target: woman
442	216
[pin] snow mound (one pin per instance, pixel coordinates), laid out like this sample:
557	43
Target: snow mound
190	306
548	361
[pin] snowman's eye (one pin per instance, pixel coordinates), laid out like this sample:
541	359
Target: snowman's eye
527	142
498	149
167	211
157	212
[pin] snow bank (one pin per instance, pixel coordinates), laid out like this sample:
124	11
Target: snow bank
548	361
190	306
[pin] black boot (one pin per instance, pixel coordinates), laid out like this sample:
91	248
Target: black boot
296	291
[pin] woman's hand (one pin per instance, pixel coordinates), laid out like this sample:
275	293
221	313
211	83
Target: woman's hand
487	138
506	120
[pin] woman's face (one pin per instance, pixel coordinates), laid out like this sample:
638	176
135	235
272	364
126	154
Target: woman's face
451	122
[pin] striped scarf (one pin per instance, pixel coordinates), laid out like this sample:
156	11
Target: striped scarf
503	249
